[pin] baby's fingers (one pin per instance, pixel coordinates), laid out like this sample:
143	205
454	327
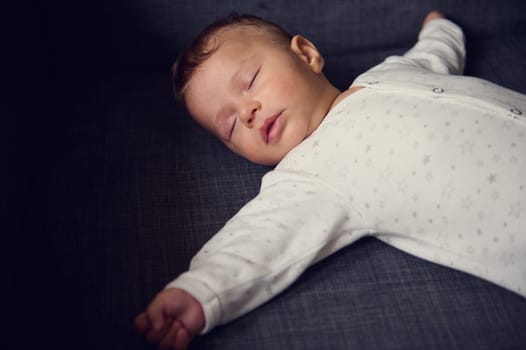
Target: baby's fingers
176	338
182	339
167	341
142	324
155	314
431	16
155	336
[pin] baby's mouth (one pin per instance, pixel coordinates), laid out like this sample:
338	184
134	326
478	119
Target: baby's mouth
270	129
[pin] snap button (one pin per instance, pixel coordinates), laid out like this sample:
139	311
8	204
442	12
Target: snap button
438	90
515	111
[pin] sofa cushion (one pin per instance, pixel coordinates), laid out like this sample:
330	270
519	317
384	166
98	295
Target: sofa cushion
125	188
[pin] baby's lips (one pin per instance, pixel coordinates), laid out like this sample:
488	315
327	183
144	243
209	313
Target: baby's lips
266	128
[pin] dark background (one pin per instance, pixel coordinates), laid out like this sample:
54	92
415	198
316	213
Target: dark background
109	189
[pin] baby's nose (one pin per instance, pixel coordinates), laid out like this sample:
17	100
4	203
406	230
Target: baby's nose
248	112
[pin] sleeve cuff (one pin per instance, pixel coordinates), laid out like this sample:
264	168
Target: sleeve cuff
442	23
206	297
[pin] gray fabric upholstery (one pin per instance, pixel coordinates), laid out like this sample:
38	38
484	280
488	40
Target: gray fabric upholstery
122	188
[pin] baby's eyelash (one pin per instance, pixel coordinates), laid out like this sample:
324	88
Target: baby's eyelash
232	128
253	78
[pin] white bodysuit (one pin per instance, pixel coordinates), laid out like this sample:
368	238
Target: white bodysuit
431	163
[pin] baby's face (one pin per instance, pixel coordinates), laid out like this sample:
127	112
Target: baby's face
259	98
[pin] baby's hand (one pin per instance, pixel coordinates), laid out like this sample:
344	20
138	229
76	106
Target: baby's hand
171	319
431	16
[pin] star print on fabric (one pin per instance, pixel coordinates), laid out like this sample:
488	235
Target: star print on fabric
427	159
492	178
495	195
466	202
429	176
466	147
404	132
431	136
507	259
507	124
385	175
448	190
463	159
516	209
403	186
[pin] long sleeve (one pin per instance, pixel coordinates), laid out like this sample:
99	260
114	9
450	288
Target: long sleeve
294	222
439	49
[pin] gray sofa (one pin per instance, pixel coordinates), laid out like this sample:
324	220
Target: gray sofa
115	188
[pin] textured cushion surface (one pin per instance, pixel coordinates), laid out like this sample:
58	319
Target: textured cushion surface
125	188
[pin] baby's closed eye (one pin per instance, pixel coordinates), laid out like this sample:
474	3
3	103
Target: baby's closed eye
232	126
253	79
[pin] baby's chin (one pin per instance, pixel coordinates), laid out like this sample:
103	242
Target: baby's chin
270	159
273	154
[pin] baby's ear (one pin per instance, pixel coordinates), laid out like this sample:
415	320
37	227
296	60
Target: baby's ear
306	50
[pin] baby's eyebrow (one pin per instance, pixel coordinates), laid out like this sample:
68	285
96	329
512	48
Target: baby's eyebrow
236	76
242	66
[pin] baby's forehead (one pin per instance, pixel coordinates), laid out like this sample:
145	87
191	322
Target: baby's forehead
237	31
226	45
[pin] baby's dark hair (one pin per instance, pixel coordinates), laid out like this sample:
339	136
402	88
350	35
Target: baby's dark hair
204	46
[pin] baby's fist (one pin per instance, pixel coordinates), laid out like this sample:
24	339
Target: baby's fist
171	319
431	16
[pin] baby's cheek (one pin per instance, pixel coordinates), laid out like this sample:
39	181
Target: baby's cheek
252	151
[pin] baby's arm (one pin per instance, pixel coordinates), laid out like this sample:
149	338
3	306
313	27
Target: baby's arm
431	16
440	47
294	222
171	319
